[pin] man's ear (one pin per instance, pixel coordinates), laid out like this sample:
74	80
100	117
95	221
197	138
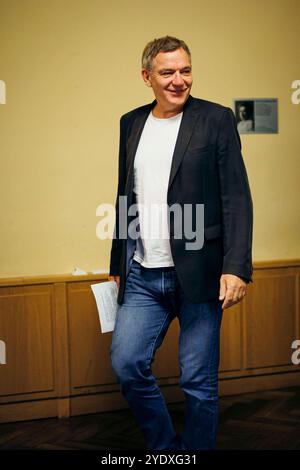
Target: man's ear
146	77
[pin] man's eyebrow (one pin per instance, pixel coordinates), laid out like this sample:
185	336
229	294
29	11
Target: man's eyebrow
172	70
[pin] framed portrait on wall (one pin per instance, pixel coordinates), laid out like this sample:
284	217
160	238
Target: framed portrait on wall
256	115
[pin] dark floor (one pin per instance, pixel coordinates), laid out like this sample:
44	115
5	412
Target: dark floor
265	420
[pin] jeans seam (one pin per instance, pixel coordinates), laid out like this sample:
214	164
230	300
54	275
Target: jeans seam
155	339
215	329
212	349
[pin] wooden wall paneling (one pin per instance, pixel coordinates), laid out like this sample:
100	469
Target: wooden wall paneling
62	351
246	312
58	361
270	320
28	410
297	305
90	361
26	326
255	383
231	341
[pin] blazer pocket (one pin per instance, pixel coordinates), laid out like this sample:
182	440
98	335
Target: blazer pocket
214	231
200	150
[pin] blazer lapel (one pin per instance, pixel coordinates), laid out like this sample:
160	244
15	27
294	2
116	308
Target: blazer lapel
184	134
133	140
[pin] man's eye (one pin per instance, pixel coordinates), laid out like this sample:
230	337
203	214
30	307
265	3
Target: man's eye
166	73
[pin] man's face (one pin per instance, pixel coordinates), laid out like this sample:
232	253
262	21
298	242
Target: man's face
171	79
243	113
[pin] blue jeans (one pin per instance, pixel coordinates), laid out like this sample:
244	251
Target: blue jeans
152	299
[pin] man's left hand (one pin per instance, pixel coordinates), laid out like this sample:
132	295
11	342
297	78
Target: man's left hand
232	289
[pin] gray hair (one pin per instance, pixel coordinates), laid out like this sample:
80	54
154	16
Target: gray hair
164	44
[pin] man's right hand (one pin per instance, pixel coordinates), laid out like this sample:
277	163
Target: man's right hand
116	279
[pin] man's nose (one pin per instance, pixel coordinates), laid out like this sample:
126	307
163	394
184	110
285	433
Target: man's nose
177	79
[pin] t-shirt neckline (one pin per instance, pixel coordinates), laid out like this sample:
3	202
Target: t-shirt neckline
165	119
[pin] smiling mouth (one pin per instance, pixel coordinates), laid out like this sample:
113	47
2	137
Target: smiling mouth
176	92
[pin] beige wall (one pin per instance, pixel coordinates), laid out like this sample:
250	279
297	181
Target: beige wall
72	67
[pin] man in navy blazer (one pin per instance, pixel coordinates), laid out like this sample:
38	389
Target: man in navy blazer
187	151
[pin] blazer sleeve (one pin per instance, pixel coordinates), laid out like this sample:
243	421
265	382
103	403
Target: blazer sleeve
236	200
116	247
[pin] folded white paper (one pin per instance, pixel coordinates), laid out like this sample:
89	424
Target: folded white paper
106	294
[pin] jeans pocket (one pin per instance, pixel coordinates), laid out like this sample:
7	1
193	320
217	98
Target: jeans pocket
135	267
135	264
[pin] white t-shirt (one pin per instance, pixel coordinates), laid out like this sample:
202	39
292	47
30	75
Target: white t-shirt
152	167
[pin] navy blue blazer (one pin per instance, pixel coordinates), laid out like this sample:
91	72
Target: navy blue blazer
207	168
